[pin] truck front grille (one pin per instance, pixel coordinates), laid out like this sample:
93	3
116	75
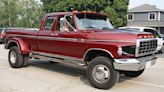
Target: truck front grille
146	47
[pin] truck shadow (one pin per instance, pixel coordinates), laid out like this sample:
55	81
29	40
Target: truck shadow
68	70
121	79
58	67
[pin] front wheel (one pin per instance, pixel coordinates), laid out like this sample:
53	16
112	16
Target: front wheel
101	73
133	73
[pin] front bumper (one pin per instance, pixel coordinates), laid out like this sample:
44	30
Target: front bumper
134	64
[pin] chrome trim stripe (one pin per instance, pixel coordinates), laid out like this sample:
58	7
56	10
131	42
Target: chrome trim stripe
57	38
27	36
69	39
100	49
110	41
46	37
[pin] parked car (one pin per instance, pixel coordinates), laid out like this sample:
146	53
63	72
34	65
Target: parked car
2	35
162	36
86	39
150	30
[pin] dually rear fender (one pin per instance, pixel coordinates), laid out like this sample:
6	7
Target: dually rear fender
22	45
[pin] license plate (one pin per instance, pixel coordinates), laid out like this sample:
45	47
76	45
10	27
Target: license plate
150	63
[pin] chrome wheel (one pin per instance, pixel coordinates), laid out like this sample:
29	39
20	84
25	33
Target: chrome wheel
13	57
101	73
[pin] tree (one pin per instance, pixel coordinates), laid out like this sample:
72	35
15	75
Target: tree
20	13
8	9
117	9
30	13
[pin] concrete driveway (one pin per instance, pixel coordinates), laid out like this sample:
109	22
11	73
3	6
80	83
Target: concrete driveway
42	76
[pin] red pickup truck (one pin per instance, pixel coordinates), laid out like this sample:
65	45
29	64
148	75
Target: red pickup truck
86	39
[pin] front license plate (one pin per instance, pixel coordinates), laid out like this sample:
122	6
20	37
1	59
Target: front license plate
150	63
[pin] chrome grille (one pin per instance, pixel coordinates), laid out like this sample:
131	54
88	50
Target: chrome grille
146	47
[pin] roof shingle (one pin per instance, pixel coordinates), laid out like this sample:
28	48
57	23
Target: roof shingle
145	8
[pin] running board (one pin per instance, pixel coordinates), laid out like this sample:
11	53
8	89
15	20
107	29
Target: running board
60	60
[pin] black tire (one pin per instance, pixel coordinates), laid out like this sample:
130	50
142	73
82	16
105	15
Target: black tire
107	64
16	59
133	73
25	60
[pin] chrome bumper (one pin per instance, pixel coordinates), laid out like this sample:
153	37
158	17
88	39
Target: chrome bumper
133	64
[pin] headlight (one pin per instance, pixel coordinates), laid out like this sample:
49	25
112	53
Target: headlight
120	52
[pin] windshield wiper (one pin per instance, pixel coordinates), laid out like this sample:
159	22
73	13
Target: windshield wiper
90	27
106	28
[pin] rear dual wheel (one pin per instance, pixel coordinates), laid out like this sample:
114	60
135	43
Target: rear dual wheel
16	59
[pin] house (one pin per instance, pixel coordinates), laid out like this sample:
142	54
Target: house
147	16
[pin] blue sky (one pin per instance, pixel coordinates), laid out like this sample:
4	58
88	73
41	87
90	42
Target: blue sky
159	3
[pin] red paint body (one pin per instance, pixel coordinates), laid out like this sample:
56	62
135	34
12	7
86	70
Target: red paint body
77	46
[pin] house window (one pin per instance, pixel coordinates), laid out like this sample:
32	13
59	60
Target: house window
152	16
130	17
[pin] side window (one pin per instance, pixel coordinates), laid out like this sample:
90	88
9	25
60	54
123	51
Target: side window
156	34
62	25
71	21
152	32
49	23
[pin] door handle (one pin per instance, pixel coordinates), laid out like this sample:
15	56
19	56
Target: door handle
54	34
80	39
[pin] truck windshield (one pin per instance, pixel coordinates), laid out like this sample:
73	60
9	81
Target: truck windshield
93	21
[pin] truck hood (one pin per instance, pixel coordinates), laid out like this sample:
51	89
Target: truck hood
115	35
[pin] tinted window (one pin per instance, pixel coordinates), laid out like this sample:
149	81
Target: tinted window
155	33
66	26
49	23
71	21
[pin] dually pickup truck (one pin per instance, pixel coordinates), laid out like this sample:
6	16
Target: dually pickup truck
85	39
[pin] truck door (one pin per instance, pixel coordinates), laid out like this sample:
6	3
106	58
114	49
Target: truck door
44	35
66	41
